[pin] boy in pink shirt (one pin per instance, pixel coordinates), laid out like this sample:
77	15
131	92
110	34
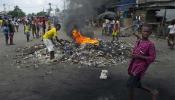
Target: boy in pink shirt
143	55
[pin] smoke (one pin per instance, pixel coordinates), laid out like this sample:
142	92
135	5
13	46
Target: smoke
79	13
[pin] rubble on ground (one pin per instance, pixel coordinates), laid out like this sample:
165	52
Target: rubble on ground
106	54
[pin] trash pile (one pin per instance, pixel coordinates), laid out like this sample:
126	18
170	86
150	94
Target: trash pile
105	54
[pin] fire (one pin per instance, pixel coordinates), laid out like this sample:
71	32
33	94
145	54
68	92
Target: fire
80	39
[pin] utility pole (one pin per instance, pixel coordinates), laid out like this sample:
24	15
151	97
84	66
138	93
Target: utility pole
64	8
163	22
64	4
8	7
4	6
1	4
50	8
57	10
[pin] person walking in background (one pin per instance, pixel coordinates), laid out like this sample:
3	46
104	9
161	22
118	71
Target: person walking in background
1	22
171	35
116	30
43	26
104	28
40	28
16	25
5	30
136	25
37	29
27	31
108	27
19	20
143	55
33	26
11	31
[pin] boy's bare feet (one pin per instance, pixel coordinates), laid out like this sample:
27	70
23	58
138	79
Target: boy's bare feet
155	93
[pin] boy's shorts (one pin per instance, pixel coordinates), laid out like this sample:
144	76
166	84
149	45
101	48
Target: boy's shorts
134	82
115	33
49	45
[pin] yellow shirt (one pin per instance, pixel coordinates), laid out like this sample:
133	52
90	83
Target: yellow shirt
50	34
26	28
1	21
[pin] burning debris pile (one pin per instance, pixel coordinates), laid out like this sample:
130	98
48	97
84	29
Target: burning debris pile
80	39
105	54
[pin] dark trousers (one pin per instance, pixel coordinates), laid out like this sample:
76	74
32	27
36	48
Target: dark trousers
6	38
171	38
44	30
34	32
37	32
115	37
11	38
134	82
27	36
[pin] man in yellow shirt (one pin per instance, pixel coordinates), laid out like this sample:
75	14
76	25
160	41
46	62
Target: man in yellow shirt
1	21
48	39
27	31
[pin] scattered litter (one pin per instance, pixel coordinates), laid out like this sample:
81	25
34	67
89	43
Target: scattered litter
18	67
104	74
105	54
48	73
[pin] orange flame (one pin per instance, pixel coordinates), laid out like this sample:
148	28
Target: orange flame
80	39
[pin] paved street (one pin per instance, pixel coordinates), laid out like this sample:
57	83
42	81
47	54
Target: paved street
74	82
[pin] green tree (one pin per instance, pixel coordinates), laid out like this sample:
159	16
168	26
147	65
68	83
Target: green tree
42	13
17	12
31	14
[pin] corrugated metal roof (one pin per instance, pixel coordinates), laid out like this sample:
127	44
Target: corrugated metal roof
152	1
170	14
124	5
159	5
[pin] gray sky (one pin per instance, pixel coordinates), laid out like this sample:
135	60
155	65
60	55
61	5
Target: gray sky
29	6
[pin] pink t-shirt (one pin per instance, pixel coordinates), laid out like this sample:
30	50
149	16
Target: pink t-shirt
138	66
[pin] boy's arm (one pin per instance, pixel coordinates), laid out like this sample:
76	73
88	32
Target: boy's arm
152	54
58	40
140	56
151	57
56	37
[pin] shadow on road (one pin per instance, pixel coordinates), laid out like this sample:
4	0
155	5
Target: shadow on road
73	83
